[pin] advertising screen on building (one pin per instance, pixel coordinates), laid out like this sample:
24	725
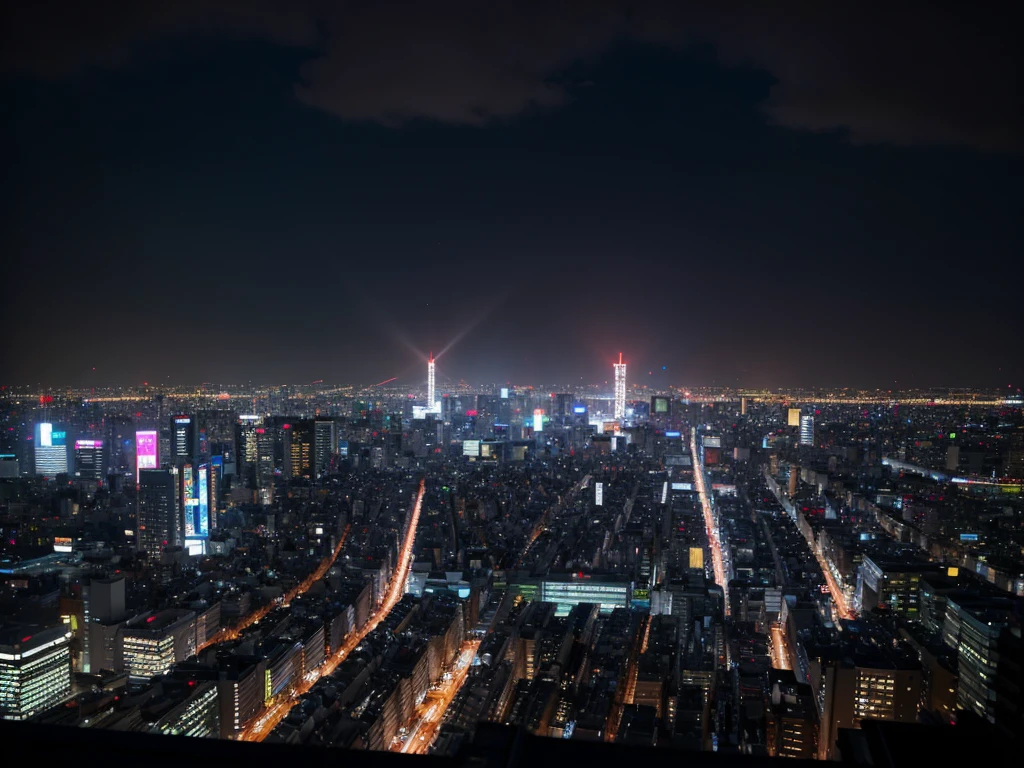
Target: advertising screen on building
343	448
682	486
62	544
538	420
599	494
673	435
793	417
660	405
83	444
145	451
712	442
696	557
203	508
579	409
504	393
470	447
189	500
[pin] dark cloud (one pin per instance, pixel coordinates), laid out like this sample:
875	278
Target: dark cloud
881	72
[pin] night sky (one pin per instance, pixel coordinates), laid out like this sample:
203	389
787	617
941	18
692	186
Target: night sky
224	191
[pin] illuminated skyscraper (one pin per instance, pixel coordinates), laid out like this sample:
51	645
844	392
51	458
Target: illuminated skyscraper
51	450
325	445
184	438
35	671
620	388
158	513
430	382
806	430
89	461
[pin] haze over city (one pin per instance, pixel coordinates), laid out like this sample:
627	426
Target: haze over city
518	384
289	202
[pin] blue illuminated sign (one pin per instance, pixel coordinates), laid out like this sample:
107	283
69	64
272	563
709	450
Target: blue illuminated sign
673	434
968	537
579	409
203	508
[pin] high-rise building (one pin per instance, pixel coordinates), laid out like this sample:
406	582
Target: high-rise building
1014	466
89	460
184	443
9	465
158	512
35	671
249	426
972	625
298	444
793	417
325	445
620	389
103	613
51	450
860	680
807	430
154	642
431	394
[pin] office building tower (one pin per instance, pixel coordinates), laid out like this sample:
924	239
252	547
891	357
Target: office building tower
792	719
247	431
1014	465
325	444
155	641
35	671
103	613
861	680
807	430
184	442
972	624
89	460
620	389
9	465
158	512
51	450
298	445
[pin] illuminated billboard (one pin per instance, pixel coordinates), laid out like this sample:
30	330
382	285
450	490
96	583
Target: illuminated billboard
672	435
598	494
660	405
696	558
470	447
189	500
712	442
793	418
81	444
343	448
50	437
682	486
62	544
145	451
538	419
203	508
968	537
504	393
579	409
